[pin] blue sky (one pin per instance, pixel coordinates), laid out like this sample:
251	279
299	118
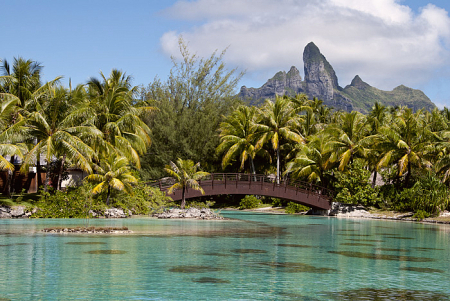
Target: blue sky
386	42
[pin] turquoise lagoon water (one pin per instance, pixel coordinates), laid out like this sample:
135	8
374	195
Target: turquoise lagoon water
252	257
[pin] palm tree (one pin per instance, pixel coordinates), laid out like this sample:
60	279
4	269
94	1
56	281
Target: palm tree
112	173
22	80
237	136
406	141
311	161
109	106
348	138
54	136
280	120
186	176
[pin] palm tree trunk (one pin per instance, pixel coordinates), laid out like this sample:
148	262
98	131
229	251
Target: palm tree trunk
12	181
253	167
408	175
47	178
108	195
61	168
8	184
278	163
183	199
374	180
38	168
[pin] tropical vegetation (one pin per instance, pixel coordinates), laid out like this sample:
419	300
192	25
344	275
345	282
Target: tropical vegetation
122	135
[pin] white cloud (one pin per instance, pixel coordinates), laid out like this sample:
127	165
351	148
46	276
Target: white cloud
384	42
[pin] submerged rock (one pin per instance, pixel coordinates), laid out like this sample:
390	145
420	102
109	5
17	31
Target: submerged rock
203	213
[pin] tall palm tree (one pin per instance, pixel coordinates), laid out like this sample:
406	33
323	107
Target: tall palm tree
22	80
280	120
186	176
109	106
348	138
238	137
54	135
112	173
406	141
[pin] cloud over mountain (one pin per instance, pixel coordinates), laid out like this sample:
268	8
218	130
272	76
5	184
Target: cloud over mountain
381	40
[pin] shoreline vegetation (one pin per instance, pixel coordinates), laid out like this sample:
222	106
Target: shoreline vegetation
393	159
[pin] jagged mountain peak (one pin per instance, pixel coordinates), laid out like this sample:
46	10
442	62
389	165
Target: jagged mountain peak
321	82
358	83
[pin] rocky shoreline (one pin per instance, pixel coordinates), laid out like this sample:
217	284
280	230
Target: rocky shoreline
337	210
24	212
354	211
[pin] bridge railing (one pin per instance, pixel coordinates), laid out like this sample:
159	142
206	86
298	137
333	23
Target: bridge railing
252	179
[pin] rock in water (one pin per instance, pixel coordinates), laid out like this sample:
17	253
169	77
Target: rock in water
203	213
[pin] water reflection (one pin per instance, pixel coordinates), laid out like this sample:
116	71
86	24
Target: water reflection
295	267
382	256
106	252
210	280
388	294
422	270
194	269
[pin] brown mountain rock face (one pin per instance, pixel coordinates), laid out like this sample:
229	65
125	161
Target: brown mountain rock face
321	82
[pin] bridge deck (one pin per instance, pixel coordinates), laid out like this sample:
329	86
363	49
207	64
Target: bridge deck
236	183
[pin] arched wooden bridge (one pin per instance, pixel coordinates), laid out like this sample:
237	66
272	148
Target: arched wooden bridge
310	195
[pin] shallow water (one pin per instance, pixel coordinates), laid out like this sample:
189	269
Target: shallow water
255	256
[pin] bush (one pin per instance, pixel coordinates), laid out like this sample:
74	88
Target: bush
292	208
354	187
249	202
420	215
279	202
72	203
144	200
199	205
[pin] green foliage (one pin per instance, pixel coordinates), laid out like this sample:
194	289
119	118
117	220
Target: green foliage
145	200
353	186
73	203
191	105
421	214
429	195
199	205
292	208
276	202
249	202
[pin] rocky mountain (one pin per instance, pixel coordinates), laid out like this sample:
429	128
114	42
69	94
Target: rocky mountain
321	82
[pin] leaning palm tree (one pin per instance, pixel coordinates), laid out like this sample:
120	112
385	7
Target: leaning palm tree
280	120
238	137
112	173
186	176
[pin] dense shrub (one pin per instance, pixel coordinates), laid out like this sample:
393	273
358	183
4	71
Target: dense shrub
199	205
72	203
144	200
353	186
292	208
249	202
